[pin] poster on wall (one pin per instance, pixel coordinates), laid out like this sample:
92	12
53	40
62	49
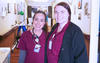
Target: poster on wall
3	9
86	9
15	8
79	16
79	4
11	8
8	8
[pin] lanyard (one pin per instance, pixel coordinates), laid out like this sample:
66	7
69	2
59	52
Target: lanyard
36	41
50	42
53	37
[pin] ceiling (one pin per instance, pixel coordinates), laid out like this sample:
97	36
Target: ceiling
40	0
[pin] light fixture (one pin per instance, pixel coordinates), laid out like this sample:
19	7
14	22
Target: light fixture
40	0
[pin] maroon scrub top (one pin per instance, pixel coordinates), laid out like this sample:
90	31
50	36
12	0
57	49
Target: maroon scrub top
26	43
53	54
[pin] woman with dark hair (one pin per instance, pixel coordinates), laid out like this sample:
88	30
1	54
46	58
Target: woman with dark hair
65	43
32	42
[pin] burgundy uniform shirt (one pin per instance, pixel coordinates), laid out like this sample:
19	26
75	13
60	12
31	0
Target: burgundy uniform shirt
26	43
53	54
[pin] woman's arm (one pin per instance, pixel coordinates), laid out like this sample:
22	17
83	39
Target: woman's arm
22	56
79	48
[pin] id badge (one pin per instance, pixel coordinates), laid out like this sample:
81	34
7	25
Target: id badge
37	48
37	40
50	44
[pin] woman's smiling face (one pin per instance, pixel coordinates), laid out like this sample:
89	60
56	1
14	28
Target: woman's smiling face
39	21
61	14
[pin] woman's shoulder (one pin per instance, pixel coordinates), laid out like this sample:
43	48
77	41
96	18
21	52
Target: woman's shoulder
25	33
74	27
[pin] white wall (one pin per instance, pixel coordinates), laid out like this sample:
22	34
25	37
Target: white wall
6	23
85	21
9	19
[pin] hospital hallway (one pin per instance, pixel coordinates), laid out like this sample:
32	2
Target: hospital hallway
16	17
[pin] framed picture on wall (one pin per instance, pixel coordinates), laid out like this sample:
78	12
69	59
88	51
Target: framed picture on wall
79	4
15	8
8	8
